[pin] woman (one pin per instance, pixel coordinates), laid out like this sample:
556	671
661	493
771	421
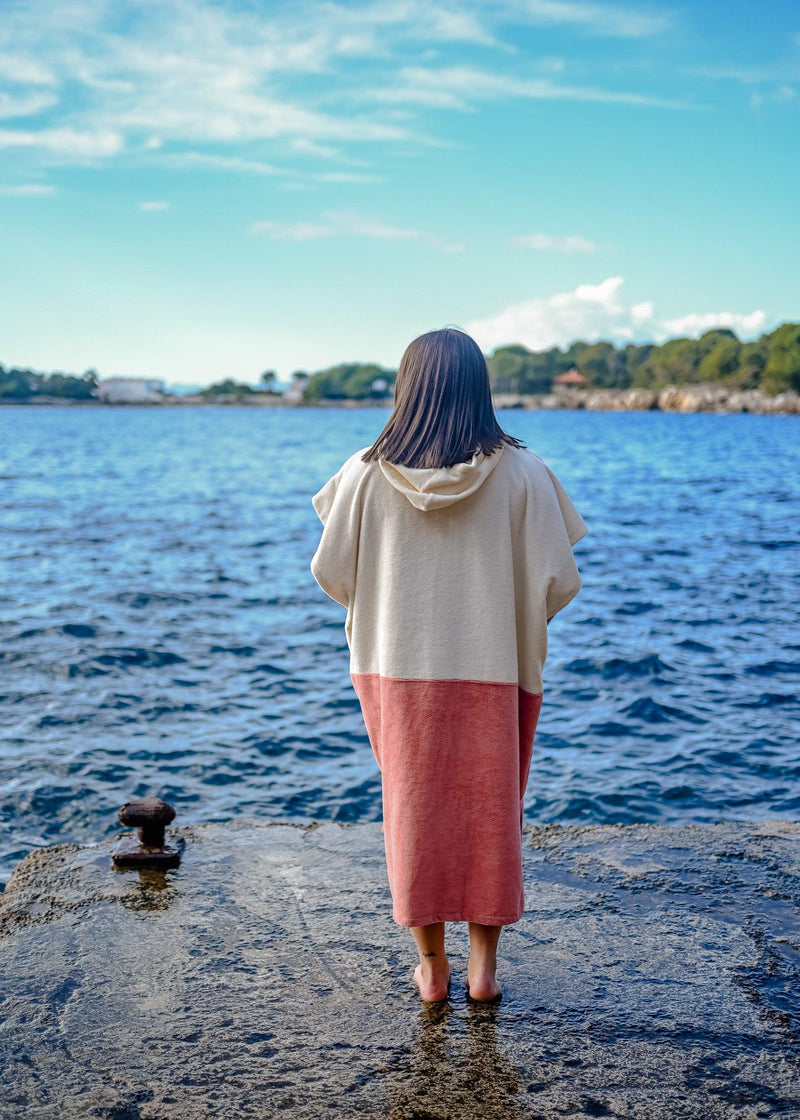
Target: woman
450	545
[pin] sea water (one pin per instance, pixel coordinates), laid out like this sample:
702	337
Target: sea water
161	632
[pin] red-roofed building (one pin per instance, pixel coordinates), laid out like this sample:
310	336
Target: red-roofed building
571	377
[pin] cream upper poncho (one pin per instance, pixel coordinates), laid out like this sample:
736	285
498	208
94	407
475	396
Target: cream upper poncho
449	576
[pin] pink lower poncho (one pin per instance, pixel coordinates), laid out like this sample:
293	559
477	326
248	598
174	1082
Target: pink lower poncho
449	577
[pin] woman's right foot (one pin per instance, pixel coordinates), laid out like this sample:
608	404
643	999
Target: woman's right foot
483	986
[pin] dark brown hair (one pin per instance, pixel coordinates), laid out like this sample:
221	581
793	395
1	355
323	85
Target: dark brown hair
443	411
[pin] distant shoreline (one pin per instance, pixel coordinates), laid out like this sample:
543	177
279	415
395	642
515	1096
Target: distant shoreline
701	397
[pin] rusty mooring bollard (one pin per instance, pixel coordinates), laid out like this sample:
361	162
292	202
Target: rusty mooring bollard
148	849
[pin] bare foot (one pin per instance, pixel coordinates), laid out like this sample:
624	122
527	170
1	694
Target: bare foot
482	985
432	988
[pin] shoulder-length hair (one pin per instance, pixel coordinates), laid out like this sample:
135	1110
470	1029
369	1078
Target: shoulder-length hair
443	412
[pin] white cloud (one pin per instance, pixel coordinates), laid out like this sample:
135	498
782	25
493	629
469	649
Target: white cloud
552	64
642	312
455	87
305	147
27	190
197	71
154	206
544	242
234	115
204	72
221	163
610	20
348	223
782	94
410	20
752	75
413	95
348	177
25	106
64	141
695	323
597	311
292	231
25	71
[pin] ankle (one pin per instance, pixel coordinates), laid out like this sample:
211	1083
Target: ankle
434	964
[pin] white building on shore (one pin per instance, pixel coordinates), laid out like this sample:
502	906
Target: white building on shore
130	390
294	394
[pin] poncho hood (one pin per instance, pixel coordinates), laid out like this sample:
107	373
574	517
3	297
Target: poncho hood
434	487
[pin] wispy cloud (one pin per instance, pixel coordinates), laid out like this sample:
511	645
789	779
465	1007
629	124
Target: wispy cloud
27	190
71	142
292	231
598	311
784	71
25	106
747	324
25	70
457	87
349	224
151	207
183	72
348	177
778	82
609	20
782	94
228	75
193	160
543	242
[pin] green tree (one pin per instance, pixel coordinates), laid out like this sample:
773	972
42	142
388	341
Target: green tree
351	380
16	384
782	369
603	366
752	360
721	361
636	363
229	387
572	355
674	363
515	369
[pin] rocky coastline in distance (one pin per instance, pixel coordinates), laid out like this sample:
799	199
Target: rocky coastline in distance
699	397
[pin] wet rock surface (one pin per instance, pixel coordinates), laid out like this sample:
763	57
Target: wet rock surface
655	974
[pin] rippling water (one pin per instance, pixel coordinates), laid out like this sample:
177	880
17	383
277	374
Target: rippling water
161	633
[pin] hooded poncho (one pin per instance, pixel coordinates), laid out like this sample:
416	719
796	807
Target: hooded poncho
449	576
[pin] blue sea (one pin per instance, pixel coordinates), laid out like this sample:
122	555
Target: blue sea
161	632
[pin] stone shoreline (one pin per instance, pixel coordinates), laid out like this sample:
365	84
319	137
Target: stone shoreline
673	398
654	976
703	397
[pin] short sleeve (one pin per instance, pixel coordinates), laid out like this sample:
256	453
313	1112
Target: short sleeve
323	499
573	522
333	565
554	526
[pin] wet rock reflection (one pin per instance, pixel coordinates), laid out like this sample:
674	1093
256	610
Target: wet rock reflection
152	890
453	1069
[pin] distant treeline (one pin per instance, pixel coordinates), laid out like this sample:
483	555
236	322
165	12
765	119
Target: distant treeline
770	363
20	384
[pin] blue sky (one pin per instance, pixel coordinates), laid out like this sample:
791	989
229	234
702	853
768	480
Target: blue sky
193	190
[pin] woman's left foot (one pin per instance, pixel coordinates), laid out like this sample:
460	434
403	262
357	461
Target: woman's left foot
433	989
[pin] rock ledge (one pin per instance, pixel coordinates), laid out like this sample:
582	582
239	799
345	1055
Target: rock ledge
655	974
